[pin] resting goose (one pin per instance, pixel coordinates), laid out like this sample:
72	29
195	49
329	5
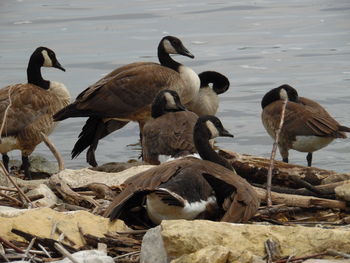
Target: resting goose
126	95
31	109
170	132
207	100
189	188
307	127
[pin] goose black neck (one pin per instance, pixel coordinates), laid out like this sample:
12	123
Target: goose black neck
206	152
166	60
158	110
34	76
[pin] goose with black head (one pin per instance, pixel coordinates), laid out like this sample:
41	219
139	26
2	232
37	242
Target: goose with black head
170	132
126	94
188	188
32	107
307	127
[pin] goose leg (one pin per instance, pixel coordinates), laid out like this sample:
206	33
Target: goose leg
25	166
5	160
90	154
309	159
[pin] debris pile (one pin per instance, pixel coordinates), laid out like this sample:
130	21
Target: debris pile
47	220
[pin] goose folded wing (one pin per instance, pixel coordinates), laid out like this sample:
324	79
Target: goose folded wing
237	196
28	103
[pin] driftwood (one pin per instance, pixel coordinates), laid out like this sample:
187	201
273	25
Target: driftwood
255	169
301	201
70	196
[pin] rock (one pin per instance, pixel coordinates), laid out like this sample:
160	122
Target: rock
343	192
38	165
209	254
180	239
40	222
88	256
116	167
6	211
49	199
85	176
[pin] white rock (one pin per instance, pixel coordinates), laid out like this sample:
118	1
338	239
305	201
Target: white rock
89	256
49	199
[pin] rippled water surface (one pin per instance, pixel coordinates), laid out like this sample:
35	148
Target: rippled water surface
257	44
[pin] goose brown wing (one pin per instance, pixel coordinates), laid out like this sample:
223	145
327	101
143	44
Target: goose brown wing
239	199
302	119
28	103
129	92
140	184
170	134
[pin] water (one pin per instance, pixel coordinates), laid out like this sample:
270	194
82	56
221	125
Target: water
258	45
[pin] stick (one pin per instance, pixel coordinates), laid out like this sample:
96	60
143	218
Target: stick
26	252
16	201
15	185
273	155
125	255
301	258
6	111
54	151
333	252
301	201
9	244
65	252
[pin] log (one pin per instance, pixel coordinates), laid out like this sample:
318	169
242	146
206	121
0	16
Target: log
69	195
301	201
255	169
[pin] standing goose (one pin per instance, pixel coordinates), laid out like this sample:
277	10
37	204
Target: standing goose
189	188
126	95
307	126
170	132
207	100
31	109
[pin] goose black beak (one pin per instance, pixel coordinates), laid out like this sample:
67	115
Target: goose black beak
58	65
184	51
225	133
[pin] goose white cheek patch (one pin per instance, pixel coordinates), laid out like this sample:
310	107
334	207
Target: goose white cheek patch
47	59
170	102
213	130
169	47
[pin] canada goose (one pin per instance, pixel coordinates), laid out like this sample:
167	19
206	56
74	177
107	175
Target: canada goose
31	108
207	100
170	132
126	95
307	126
189	188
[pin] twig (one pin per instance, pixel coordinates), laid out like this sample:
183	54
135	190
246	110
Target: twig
65	252
44	250
273	154
268	252
16	201
54	151
5	113
126	255
2	253
26	252
9	244
9	189
21	193
333	252
301	258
